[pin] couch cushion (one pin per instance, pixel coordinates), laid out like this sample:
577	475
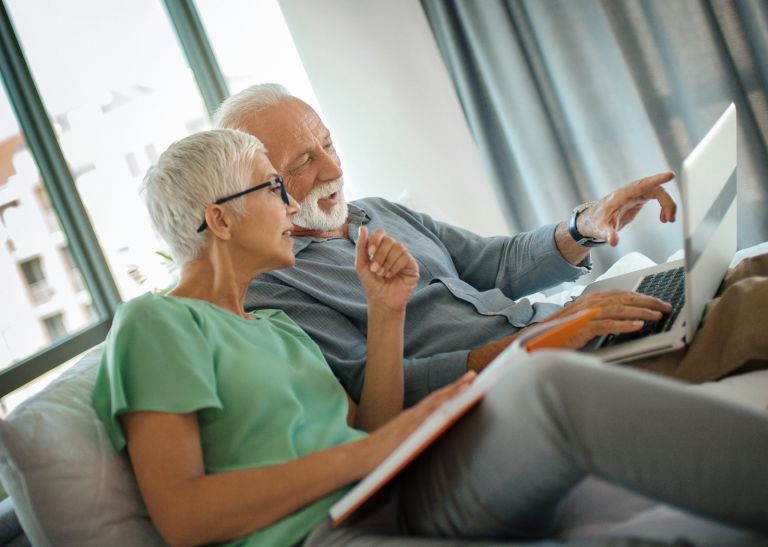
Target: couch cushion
68	484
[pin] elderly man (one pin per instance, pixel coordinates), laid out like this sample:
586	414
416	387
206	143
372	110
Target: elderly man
462	313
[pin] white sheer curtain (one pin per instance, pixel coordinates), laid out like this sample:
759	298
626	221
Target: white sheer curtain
568	100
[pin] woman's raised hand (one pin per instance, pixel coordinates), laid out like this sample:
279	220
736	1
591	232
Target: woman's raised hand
386	269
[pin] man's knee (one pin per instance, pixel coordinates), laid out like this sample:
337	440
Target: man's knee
558	366
542	375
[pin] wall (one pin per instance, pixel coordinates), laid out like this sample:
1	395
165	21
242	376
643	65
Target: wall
389	102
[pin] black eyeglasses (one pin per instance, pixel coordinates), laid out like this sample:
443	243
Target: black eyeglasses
277	183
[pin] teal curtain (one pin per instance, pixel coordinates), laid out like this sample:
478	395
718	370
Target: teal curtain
569	99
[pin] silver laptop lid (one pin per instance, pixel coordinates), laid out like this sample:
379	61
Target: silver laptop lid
709	215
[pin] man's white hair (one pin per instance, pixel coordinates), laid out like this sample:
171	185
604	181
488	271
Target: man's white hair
192	174
236	111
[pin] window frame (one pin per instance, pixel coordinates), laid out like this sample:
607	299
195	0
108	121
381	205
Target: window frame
37	126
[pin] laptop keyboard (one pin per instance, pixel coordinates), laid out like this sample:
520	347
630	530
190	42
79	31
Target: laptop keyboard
668	286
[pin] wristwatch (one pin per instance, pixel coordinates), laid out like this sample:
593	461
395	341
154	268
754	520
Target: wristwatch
580	239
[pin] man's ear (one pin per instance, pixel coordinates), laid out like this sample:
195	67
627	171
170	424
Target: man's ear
219	221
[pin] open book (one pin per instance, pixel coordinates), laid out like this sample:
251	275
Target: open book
549	335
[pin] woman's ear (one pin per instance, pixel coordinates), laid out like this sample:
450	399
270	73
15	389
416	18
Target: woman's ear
219	221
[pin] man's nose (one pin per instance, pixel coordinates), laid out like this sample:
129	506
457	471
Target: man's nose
330	166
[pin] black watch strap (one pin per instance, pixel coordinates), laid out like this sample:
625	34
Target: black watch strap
576	235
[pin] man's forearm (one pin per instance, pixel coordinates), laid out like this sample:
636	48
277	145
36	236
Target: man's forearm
571	251
479	358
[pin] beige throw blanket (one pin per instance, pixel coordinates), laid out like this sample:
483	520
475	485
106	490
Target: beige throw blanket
733	336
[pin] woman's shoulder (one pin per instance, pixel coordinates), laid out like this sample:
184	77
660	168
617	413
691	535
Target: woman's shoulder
152	308
155	324
149	303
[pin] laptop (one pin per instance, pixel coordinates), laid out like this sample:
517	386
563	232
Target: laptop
708	192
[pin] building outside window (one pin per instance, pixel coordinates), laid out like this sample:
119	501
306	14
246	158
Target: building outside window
71	268
47	209
39	289
36	282
117	90
123	101
54	326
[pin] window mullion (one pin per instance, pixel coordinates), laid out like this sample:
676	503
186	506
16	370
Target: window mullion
60	352
56	176
198	51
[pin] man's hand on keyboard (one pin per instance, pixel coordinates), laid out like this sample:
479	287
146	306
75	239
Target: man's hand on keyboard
621	311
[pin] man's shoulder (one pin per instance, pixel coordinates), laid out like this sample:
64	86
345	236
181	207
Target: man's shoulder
382	206
373	201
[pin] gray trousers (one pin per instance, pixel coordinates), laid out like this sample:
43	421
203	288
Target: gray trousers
500	472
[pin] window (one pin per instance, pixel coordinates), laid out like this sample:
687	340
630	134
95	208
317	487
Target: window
54	326
103	103
39	290
33	271
120	79
36	283
234	40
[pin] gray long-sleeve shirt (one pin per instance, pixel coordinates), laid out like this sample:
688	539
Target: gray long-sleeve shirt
464	297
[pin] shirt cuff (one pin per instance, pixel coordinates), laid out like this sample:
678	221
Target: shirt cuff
559	261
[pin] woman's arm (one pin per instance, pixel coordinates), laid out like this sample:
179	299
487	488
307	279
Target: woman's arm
388	274
190	507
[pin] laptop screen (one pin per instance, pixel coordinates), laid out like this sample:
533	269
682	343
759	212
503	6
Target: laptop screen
709	190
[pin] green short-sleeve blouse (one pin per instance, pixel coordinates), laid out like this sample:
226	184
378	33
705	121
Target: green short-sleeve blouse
261	389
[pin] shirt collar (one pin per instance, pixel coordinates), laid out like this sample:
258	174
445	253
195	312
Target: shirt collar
357	216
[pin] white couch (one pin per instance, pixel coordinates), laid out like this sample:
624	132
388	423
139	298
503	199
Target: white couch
69	486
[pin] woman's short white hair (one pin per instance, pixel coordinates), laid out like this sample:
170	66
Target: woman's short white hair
192	174
235	112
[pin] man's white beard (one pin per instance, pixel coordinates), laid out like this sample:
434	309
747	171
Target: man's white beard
313	217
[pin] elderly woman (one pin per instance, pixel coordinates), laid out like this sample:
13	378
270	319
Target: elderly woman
238	432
